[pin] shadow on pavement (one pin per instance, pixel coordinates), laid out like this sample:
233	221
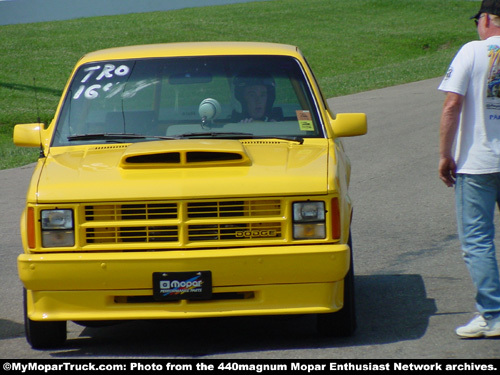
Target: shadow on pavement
10	329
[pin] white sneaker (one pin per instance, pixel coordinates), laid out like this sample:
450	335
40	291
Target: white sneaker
480	327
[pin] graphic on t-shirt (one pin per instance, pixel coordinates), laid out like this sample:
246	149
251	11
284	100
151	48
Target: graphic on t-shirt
494	72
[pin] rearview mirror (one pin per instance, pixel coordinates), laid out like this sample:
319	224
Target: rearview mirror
28	135
349	124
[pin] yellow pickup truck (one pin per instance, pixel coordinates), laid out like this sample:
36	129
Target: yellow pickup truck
188	180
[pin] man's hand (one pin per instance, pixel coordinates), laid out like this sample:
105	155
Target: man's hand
447	171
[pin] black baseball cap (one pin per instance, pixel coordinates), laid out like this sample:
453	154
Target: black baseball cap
490	7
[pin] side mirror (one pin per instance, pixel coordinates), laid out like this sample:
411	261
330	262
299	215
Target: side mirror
349	124
28	135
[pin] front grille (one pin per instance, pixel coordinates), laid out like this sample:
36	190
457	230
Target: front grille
233	231
132	234
117	212
184	223
233	208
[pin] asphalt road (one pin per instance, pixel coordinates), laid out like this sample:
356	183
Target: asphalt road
28	11
412	287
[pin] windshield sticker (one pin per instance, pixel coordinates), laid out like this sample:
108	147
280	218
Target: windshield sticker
305	120
90	90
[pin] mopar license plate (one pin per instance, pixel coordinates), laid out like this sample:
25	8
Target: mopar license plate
168	286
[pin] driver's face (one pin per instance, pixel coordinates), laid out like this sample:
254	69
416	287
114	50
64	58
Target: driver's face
256	99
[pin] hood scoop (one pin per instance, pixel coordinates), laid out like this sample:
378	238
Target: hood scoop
185	154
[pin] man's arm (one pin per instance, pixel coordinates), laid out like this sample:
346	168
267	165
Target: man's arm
448	130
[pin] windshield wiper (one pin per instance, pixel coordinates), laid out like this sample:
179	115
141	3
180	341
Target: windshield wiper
216	135
108	136
294	138
98	136
237	135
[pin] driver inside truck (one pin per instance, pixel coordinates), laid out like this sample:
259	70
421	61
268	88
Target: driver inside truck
256	92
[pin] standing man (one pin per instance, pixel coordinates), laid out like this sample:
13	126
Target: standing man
471	120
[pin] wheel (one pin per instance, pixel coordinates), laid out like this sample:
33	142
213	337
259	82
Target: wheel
341	323
43	335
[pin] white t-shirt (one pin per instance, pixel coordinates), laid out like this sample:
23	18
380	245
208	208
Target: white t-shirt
475	74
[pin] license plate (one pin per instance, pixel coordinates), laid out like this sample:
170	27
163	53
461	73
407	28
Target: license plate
168	286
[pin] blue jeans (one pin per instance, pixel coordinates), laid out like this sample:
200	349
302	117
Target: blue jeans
476	197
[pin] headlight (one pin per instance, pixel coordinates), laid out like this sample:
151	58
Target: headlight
57	228
308	211
57	219
309	220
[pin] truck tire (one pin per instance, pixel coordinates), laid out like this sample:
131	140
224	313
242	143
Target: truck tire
43	335
341	323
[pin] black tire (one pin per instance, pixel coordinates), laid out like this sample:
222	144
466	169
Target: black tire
43	335
341	323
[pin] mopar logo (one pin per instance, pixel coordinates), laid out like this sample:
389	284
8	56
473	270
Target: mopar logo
175	284
255	233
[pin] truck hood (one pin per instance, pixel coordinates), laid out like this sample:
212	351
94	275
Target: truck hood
184	169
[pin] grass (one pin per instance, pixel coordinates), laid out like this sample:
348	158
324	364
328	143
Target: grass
352	46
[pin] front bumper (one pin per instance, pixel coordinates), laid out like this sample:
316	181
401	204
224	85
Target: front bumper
246	281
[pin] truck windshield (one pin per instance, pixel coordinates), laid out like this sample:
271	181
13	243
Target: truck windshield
203	97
